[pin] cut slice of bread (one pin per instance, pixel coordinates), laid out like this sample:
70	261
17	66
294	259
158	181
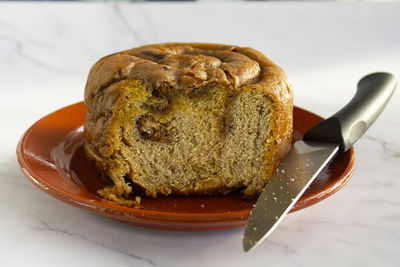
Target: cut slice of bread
181	118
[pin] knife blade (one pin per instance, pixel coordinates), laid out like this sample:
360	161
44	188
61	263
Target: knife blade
309	156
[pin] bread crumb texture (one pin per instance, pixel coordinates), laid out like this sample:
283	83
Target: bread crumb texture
186	118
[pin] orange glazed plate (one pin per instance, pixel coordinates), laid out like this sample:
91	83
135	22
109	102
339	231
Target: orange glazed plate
51	156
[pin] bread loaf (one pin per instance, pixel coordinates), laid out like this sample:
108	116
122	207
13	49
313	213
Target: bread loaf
186	118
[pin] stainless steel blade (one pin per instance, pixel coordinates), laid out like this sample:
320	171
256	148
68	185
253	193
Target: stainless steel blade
293	176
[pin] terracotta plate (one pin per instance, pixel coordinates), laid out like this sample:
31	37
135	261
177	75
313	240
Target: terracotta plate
51	156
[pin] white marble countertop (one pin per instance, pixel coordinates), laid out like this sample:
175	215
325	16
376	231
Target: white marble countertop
46	50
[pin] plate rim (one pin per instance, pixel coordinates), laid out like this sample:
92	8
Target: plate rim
134	215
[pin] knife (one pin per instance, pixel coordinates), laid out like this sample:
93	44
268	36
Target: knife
307	157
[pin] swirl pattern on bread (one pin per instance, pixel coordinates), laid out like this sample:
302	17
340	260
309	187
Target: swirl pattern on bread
187	118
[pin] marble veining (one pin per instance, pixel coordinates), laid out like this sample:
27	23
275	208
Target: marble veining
16	46
130	28
46	51
46	227
389	148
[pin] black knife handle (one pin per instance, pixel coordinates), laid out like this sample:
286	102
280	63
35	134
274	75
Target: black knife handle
347	125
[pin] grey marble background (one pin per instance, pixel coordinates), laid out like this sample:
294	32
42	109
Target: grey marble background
46	50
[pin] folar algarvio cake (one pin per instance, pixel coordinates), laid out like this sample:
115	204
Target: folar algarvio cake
186	118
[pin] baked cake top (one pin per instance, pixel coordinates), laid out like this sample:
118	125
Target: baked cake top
187	66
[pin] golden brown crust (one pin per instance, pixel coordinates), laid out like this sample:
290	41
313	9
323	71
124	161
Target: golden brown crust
185	66
192	65
189	65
